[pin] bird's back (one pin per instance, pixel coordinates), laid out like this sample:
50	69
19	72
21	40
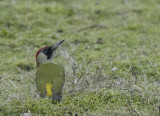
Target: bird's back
50	79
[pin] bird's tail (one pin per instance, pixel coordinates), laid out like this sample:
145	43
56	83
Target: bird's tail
56	97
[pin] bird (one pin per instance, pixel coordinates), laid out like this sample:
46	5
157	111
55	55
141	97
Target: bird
50	76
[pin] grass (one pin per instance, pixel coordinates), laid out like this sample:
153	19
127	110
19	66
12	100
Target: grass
110	55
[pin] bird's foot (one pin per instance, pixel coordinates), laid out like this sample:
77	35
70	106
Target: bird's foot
57	98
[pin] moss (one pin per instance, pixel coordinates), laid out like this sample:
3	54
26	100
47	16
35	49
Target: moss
6	34
22	65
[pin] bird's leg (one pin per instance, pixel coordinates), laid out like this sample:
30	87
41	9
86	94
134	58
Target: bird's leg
56	96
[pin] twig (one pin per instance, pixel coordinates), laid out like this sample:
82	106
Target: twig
31	79
13	84
159	110
74	74
134	74
92	26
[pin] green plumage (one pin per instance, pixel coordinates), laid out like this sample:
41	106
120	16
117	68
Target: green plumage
50	74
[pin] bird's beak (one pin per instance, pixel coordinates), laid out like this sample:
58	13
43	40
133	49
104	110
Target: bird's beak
56	45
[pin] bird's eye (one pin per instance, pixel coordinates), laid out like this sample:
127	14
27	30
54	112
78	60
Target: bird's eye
45	51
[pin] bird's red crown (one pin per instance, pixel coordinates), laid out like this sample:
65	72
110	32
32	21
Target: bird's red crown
39	52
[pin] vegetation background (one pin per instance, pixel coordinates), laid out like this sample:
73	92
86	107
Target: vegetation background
111	56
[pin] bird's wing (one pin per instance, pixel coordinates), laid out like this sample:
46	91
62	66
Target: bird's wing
50	79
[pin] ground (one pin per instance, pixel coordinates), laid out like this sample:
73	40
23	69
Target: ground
111	56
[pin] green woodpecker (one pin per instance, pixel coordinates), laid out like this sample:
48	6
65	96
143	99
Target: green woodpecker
50	76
